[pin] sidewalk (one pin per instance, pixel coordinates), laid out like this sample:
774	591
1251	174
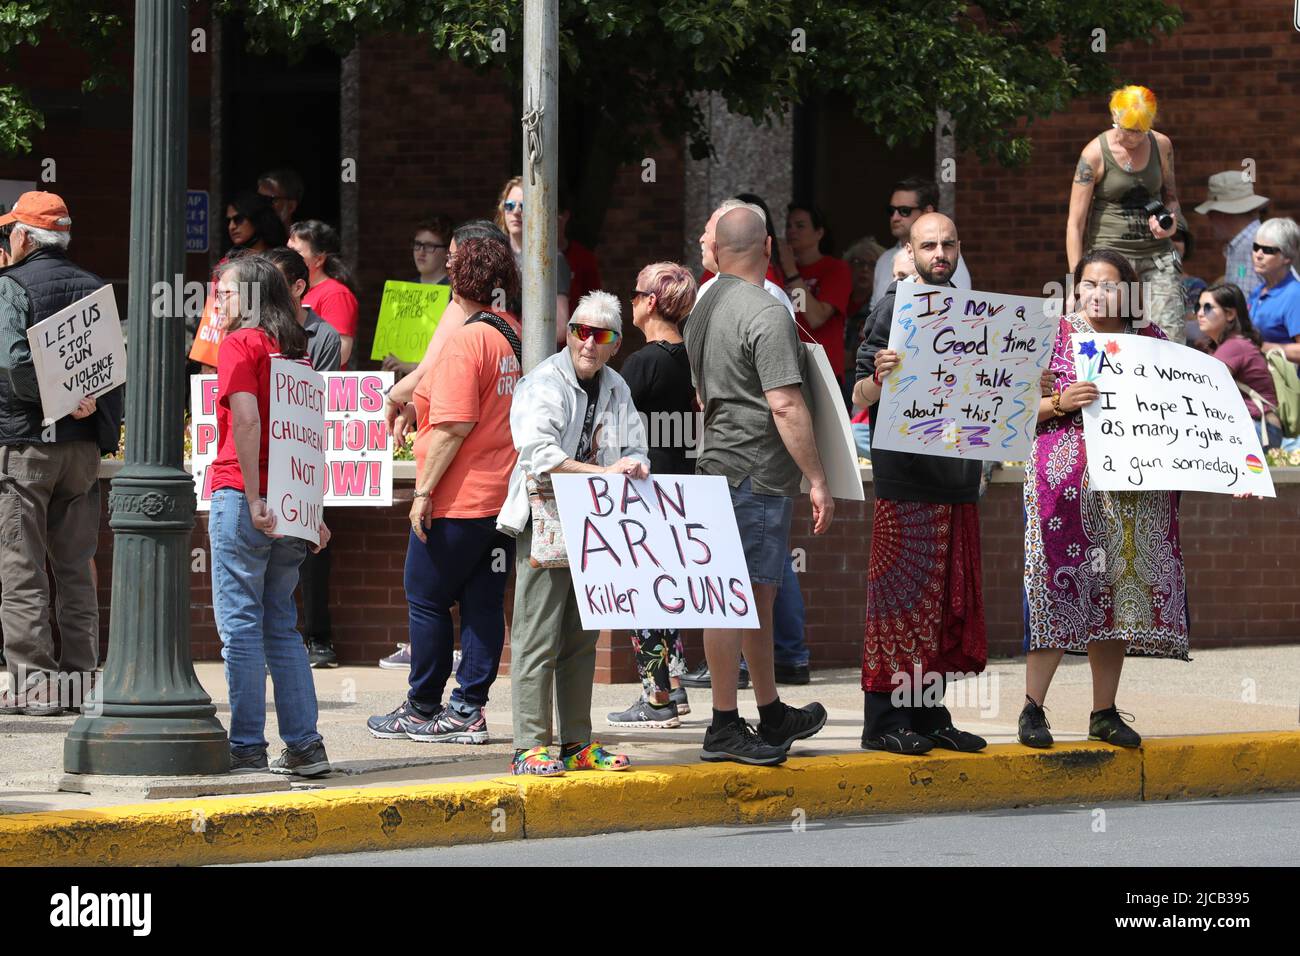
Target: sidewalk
1239	691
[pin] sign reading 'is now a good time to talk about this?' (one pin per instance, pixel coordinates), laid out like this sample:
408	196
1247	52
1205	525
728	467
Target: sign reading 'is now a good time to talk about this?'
1169	418
967	384
657	552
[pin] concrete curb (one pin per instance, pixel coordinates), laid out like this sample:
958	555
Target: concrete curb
277	826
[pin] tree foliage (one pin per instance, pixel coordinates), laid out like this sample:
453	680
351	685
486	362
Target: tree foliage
994	65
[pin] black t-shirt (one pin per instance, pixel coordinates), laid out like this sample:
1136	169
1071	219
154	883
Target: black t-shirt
592	387
659	377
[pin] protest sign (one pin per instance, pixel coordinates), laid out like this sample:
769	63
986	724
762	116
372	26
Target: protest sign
358	460
408	315
831	429
78	352
295	465
1169	418
659	552
207	340
967	385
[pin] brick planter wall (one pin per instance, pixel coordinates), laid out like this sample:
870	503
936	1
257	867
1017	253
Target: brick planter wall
1240	556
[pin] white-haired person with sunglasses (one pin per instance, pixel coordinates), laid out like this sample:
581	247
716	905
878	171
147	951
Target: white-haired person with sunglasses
571	415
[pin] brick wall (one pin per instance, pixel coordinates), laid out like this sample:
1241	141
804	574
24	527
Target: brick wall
1240	557
1228	84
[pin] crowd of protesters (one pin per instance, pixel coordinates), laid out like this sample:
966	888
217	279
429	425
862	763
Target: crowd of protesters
487	440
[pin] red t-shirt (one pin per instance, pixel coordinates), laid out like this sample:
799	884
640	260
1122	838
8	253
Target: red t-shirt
829	280
585	272
243	365
335	303
475	376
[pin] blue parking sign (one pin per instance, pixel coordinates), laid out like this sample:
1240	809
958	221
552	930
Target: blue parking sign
196	220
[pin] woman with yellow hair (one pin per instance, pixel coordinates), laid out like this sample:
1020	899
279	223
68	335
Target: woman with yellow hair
1124	198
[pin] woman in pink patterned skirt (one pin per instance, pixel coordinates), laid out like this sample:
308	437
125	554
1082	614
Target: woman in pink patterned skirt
1103	569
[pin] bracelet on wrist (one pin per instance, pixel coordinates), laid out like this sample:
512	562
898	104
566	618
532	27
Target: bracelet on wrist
1056	405
420	494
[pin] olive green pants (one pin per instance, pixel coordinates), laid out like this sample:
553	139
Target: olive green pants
552	659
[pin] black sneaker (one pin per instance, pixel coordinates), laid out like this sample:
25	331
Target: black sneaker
645	714
950	738
738	742
1108	725
907	742
1035	731
796	724
394	724
700	677
311	762
320	654
792	674
677	697
249	763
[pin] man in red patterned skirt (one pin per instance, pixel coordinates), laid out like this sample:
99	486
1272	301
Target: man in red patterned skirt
925	606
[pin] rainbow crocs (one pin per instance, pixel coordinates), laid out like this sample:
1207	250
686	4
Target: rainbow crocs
595	757
536	763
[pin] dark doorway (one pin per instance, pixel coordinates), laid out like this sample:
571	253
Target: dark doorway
279	113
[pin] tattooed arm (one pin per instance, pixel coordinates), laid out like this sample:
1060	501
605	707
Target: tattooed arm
1086	175
1169	188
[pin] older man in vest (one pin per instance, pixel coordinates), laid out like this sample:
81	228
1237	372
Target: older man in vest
49	475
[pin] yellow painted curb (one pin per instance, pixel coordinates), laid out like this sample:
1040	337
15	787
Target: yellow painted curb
1219	765
291	825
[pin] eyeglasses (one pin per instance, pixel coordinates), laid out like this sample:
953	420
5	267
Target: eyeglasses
601	336
274	199
513	205
1206	308
636	294
1125	129
236	220
903	211
427	246
1267	250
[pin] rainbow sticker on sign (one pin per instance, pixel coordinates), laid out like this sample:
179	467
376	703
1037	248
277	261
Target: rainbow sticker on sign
1254	465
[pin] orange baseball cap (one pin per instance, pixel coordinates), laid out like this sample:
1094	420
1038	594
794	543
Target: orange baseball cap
39	210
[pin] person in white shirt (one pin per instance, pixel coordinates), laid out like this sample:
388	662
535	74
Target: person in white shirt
911	198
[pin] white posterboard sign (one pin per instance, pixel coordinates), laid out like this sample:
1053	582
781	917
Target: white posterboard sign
1169	418
295	479
78	352
659	552
967	385
358	449
831	429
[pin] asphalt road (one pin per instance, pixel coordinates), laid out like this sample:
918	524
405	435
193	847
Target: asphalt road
1254	831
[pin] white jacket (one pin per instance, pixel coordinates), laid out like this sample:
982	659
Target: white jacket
546	418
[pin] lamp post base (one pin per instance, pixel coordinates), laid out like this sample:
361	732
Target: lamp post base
161	745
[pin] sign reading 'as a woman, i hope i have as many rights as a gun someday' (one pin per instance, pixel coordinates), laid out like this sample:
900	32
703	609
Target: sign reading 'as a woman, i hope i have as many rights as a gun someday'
967	384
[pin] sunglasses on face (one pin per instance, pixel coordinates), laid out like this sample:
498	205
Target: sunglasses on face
1207	308
903	211
513	205
637	293
427	246
236	220
601	336
1267	250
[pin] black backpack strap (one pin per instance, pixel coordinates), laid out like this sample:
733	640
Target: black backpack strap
502	326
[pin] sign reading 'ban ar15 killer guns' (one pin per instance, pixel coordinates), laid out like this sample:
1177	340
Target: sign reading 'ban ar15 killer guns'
659	552
967	384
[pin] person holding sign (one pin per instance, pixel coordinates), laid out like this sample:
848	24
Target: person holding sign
455	555
254	570
49	475
925	605
1103	569
749	371
571	415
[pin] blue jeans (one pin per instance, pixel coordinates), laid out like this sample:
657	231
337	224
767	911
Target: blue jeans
788	644
253	580
465	561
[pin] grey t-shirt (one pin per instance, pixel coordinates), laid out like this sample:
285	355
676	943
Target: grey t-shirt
742	343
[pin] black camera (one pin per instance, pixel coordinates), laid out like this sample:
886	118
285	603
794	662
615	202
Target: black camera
1163	216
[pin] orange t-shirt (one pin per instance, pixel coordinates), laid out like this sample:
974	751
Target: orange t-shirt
472	380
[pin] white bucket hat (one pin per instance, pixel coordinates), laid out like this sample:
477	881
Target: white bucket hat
1231	192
